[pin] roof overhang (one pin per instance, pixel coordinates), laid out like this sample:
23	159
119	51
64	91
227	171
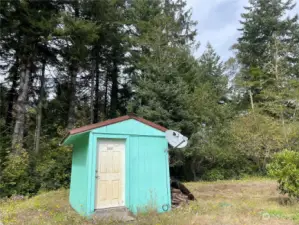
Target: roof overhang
86	129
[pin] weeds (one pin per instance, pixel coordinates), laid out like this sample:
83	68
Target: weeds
227	202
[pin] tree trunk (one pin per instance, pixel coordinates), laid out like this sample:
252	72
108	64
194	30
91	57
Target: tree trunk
106	96
20	106
194	167
2	101
73	70
193	172
276	60
284	127
39	108
96	107
114	90
251	100
11	97
92	91
72	96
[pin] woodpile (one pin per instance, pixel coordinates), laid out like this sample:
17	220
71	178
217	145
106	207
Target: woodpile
179	194
177	198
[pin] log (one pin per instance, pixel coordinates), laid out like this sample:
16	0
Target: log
178	185
174	190
175	201
181	198
179	194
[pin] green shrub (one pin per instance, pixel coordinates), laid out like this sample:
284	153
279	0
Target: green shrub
54	167
285	167
15	177
214	174
25	173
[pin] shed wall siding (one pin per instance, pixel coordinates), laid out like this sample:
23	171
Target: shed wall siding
79	187
149	174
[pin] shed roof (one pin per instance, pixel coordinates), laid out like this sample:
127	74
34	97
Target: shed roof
113	121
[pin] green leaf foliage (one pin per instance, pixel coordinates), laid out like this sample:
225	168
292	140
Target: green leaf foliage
85	61
15	178
285	167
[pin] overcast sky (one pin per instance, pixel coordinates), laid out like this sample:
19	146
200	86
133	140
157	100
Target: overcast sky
218	21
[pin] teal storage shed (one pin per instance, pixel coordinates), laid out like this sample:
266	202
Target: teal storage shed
122	162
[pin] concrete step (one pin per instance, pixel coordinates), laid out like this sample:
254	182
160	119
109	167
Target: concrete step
114	214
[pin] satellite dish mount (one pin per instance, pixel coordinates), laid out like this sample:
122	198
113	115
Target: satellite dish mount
175	139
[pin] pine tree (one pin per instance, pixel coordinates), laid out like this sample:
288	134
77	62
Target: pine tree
26	28
76	36
266	42
160	60
265	51
212	70
107	56
263	19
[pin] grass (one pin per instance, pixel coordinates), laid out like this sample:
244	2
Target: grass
249	201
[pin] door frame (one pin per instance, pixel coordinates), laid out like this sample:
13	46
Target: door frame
123	171
91	166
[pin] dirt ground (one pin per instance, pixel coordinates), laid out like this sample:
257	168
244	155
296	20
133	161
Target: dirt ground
246	202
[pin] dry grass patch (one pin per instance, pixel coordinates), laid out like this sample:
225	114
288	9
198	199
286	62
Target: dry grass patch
224	202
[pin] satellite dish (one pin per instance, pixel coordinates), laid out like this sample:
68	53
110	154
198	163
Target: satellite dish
175	139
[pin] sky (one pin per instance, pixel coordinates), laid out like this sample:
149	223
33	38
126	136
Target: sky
218	21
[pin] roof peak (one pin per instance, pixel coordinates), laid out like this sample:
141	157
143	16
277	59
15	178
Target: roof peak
116	120
132	114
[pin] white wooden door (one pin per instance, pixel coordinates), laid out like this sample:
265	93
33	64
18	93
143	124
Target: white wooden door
110	173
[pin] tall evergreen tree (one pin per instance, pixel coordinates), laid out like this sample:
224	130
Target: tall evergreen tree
212	70
26	29
265	51
267	38
211	115
159	58
107	55
76	36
